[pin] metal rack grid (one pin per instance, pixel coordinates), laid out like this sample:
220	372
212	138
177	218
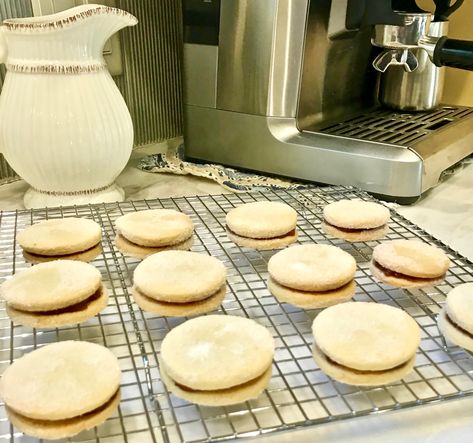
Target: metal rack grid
401	128
299	394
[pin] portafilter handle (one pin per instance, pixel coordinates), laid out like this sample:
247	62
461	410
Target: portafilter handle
446	51
397	42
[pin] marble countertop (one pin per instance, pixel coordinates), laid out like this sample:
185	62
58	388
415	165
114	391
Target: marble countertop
446	212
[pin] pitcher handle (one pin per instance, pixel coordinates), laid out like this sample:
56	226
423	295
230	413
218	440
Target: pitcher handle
3	46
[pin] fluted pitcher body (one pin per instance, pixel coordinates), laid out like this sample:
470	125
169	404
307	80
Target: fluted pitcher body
64	125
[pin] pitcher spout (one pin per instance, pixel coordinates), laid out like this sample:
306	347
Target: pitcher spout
111	19
93	23
103	20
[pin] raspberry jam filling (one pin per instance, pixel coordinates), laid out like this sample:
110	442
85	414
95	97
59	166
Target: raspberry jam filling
69	309
352	231
288	234
395	274
361	372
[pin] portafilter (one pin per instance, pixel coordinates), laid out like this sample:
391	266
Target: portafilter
399	40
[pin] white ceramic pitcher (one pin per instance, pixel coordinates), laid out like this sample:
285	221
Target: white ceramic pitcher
64	126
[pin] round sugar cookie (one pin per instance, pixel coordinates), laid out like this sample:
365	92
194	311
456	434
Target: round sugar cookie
452	333
312	267
133	250
459	306
60	236
356	214
69	379
262	244
179	276
216	352
412	258
402	281
312	300
58	429
222	397
179	309
50	286
68	316
262	219
155	227
356	236
357	378
366	336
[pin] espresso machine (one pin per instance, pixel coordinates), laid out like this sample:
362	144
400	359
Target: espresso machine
292	88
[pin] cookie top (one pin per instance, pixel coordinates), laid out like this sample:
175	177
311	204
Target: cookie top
61	380
412	257
366	336
155	227
217	352
312	267
50	286
60	236
179	276
262	219
459	306
356	214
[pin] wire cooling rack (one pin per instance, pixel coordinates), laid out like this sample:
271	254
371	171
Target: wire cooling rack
299	394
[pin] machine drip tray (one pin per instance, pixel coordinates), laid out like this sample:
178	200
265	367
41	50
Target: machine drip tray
397	128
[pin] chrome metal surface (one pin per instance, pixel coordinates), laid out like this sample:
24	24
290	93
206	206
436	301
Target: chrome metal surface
444	146
337	78
286	58
374	151
337	18
245	46
288	68
408	35
403	129
260	56
277	146
428	43
440	138
420	90
299	394
200	75
402	58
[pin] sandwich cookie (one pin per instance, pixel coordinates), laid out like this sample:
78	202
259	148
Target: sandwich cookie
455	321
365	344
409	263
217	360
262	225
312	276
356	220
53	294
179	283
61	238
142	233
61	389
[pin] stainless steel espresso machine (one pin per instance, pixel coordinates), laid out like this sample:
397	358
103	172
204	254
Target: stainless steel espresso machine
288	87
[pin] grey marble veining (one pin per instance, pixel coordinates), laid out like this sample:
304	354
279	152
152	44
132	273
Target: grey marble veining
446	211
